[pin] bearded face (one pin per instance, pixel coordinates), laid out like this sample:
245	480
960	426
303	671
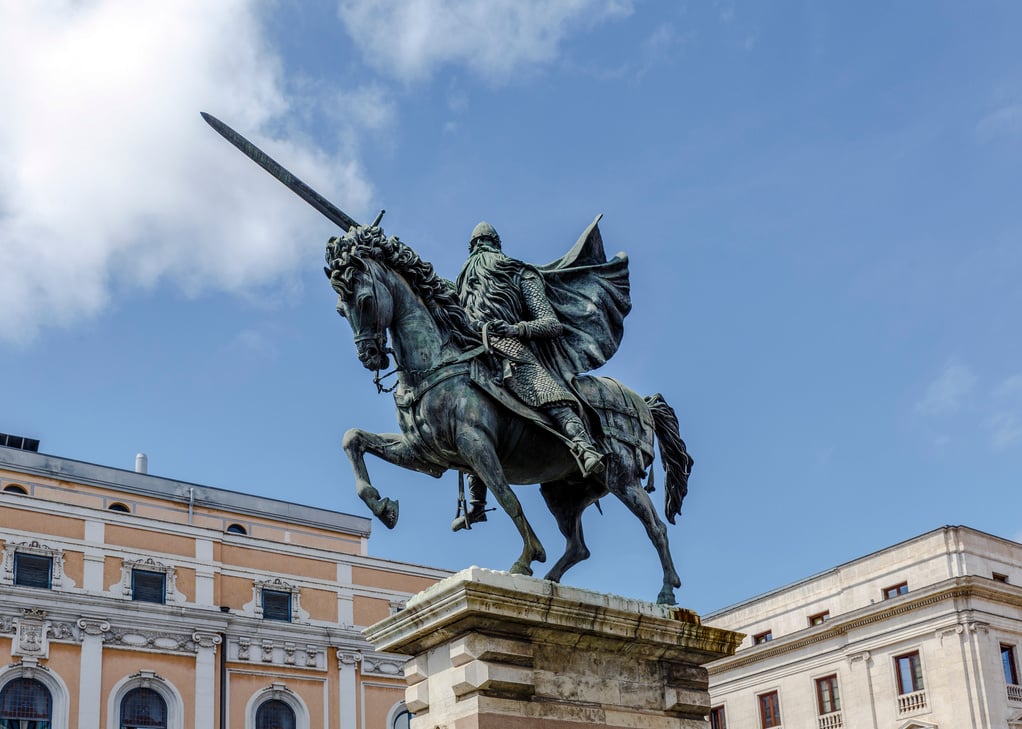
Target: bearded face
488	287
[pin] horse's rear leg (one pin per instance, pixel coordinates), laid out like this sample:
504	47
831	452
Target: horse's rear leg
566	502
638	502
391	447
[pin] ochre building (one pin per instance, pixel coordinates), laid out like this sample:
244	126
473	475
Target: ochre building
129	600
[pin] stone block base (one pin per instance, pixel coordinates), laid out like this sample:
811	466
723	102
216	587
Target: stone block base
490	650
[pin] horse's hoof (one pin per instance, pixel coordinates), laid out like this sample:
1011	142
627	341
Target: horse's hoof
666	597
520	568
387	511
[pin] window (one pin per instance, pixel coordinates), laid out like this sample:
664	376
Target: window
910	673
401	720
236	529
769	710
14	488
25	702
143	708
118	506
275	714
895	590
819	618
32	570
147	586
762	637
998	577
827	700
276	605
1009	664
717	719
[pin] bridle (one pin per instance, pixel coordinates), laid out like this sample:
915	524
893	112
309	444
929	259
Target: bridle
378	335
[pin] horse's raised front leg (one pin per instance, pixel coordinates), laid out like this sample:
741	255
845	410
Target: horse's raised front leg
391	447
633	496
480	455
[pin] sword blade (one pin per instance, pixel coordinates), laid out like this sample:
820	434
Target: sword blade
299	188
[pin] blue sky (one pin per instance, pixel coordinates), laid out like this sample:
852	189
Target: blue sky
820	202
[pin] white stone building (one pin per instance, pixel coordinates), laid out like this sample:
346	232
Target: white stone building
924	634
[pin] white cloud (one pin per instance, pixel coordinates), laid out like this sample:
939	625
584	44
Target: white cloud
410	39
1005	430
1006	121
948	392
1010	388
109	180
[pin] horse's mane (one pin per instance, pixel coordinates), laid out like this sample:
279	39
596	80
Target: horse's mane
437	293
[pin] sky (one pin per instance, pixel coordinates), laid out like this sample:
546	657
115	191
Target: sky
820	203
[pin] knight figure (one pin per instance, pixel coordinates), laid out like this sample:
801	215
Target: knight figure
507	301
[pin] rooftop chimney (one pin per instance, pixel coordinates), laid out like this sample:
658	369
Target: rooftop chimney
141	463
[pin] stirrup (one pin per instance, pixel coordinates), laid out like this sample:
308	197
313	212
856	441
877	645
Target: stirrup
474	516
590	461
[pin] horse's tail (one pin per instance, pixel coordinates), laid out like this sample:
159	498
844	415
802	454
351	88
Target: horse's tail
673	454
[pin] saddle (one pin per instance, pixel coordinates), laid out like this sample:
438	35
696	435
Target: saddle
616	407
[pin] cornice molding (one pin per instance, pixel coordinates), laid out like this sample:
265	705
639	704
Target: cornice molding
838	626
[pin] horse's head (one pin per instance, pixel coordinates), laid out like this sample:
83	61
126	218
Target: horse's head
363	297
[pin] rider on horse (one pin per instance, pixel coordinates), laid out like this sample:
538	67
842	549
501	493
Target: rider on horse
507	301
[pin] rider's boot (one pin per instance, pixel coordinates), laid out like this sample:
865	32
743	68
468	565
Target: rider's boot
476	505
590	460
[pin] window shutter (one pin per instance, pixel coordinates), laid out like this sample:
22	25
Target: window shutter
147	586
277	605
32	570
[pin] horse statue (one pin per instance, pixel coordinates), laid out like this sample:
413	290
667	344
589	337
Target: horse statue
452	414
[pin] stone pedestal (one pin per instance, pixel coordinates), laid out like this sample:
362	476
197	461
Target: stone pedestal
490	650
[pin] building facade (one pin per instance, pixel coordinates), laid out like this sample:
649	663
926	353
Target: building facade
924	634
129	600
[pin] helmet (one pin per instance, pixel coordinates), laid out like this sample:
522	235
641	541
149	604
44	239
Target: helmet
484	231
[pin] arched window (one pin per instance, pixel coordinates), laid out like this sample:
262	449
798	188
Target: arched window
13	488
25	704
143	708
398	717
118	506
236	529
275	714
401	720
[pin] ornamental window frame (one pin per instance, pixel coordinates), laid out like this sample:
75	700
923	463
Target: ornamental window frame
58	580
61	698
278	585
148	564
151	680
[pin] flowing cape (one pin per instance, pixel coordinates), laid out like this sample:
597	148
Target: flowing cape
591	296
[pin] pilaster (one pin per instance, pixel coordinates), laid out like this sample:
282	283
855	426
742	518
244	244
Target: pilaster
90	691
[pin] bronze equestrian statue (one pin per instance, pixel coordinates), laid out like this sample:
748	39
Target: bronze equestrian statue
490	379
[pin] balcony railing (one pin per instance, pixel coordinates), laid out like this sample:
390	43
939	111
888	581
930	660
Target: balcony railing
832	720
915	701
1014	692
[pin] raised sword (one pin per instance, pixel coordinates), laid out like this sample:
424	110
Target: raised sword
299	188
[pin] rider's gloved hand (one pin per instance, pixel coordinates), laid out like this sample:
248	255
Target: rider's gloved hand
503	329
